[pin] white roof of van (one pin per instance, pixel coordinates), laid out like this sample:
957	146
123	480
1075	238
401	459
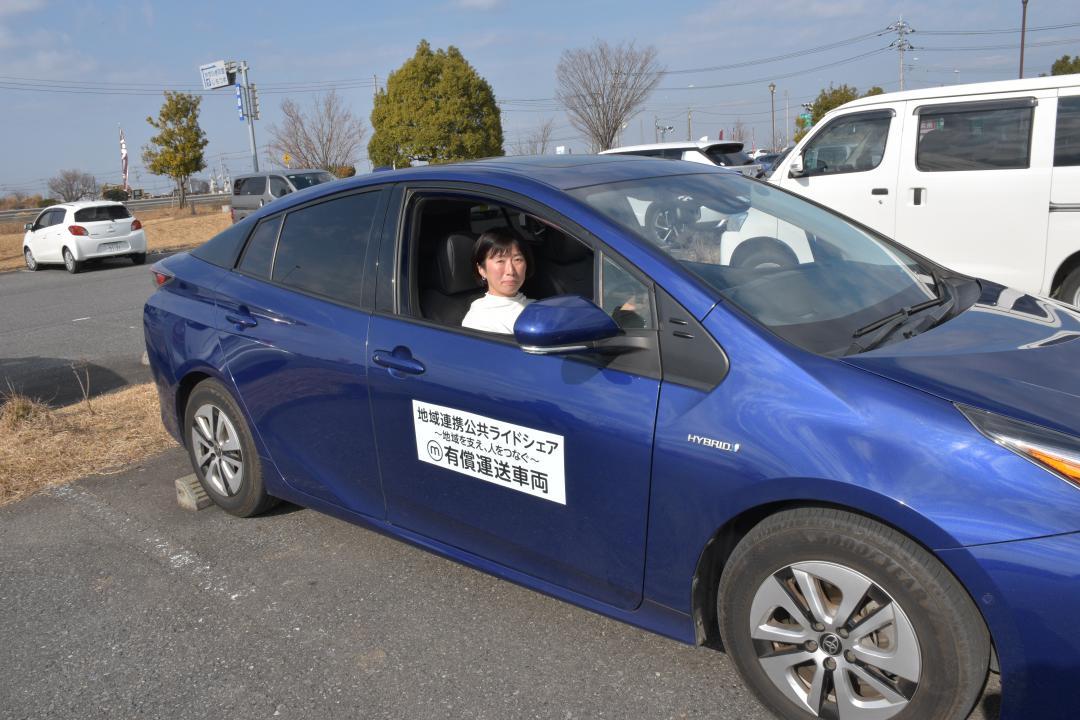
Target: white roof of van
946	91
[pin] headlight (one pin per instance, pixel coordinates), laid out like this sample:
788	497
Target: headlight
1057	452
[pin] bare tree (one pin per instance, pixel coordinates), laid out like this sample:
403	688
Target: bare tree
536	141
328	137
603	86
71	185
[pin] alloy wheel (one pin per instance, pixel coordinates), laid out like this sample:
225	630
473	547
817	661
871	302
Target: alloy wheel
834	642
217	451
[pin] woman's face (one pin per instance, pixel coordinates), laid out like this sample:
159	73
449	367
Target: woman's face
504	273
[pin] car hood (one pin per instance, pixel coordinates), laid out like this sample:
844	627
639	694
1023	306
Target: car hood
1009	353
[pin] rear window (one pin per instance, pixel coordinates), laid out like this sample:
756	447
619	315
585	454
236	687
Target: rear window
303	180
99	213
221	249
1067	139
726	156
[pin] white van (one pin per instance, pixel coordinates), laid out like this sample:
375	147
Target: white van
983	178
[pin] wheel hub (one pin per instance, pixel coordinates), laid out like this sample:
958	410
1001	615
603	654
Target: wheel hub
831	644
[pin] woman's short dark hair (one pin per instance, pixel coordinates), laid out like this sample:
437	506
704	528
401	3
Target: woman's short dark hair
496	242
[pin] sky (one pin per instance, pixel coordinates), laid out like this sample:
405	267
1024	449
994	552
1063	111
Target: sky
73	73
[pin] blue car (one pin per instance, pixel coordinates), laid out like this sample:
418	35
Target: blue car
728	415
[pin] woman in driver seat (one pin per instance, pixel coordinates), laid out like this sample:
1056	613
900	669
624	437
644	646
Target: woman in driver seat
502	264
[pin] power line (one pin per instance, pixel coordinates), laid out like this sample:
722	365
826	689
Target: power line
998	32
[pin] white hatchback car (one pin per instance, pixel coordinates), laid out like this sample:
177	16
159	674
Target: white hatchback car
73	233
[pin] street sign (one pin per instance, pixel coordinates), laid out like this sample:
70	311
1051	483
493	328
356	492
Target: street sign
240	101
214	75
286	158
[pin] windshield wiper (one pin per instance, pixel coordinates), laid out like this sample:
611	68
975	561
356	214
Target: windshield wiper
894	321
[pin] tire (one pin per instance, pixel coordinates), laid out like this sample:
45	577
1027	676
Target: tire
30	260
70	263
222	451
782	602
1069	290
138	258
763	254
664	226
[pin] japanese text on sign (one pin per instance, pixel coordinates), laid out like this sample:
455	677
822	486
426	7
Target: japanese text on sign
517	457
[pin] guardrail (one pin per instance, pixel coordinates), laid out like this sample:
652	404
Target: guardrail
25	215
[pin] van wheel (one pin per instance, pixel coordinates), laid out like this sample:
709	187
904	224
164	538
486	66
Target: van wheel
1069	290
829	614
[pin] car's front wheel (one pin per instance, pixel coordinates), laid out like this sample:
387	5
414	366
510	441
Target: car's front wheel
832	615
30	260
138	258
223	453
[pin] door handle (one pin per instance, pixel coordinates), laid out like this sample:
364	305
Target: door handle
399	361
917	196
880	191
241	320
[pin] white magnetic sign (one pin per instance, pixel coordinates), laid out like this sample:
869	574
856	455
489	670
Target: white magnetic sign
514	456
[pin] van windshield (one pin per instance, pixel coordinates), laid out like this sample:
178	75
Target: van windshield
806	274
304	180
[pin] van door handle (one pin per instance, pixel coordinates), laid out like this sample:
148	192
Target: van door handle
917	196
880	191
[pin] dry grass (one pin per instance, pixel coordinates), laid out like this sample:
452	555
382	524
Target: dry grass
166	229
40	446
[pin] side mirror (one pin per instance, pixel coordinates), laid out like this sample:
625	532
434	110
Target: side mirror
795	169
27	227
563	324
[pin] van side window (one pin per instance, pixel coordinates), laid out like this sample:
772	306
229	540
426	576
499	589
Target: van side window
974	138
1067	138
252	186
852	143
278	186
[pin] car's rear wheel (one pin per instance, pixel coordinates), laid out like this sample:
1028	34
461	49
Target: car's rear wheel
138	258
831	615
70	263
30	260
223	453
1069	290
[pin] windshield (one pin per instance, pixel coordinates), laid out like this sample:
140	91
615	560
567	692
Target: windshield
808	275
305	180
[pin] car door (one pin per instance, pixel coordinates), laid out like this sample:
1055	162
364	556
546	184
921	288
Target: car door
850	165
975	184
48	240
1063	233
294	335
540	463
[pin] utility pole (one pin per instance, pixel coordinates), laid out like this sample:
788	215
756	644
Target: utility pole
249	113
689	125
902	30
375	84
656	128
772	105
787	119
1023	34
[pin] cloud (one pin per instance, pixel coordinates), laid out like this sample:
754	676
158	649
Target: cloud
477	4
9	8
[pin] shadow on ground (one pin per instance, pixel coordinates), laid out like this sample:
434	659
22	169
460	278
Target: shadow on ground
54	380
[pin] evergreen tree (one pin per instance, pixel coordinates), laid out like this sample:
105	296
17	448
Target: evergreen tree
437	108
177	149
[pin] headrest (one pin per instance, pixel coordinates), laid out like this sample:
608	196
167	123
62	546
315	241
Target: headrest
454	261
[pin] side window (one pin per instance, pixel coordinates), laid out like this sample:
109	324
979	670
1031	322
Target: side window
238	186
254	186
322	247
974	137
56	218
1067	138
625	297
259	253
278	186
853	143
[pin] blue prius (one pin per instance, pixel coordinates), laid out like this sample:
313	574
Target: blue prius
724	414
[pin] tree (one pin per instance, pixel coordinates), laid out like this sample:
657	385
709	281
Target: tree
328	136
343	171
536	141
72	185
177	149
602	87
1065	65
827	99
435	107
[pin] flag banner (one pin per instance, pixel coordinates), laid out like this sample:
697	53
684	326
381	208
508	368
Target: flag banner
124	159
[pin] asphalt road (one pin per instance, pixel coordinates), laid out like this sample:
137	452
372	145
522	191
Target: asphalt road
50	320
115	603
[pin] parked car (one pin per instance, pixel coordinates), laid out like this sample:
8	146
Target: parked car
724	153
253	190
74	233
858	469
984	178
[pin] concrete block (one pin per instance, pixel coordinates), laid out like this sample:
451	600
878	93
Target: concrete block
190	494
